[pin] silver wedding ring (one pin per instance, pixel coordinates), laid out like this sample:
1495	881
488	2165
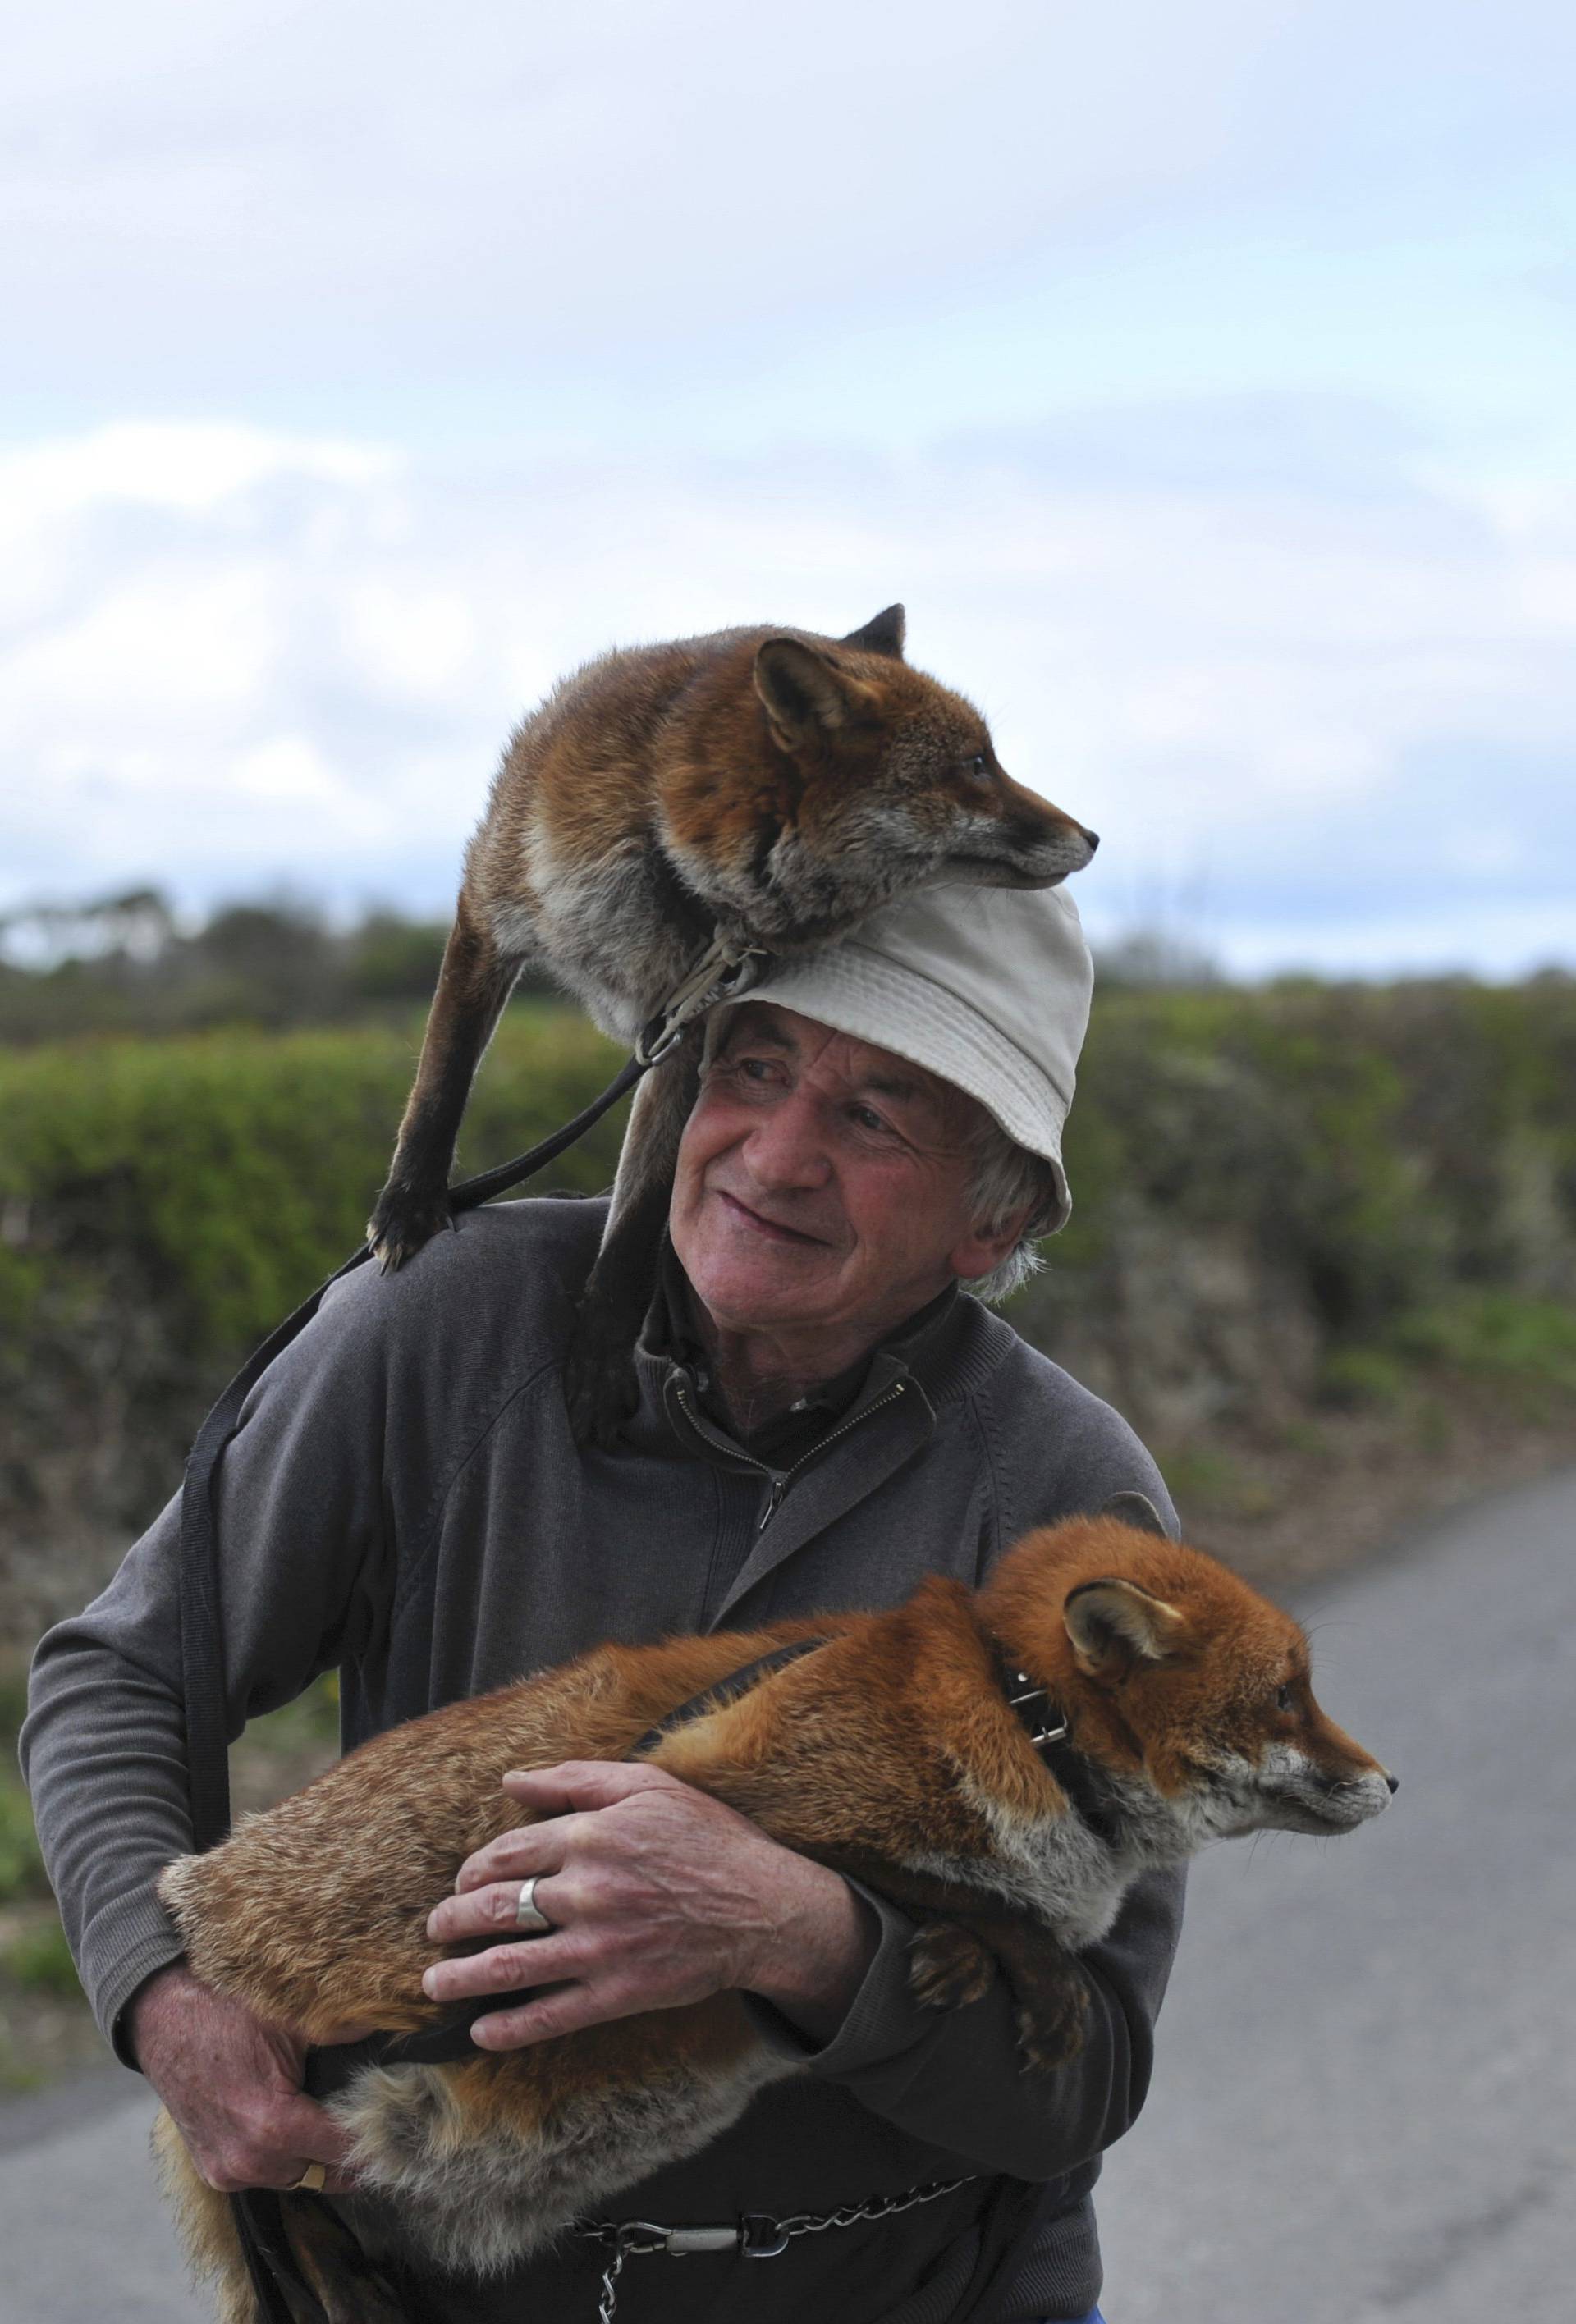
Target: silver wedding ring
528	1913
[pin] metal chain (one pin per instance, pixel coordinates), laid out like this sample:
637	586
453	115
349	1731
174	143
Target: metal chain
609	2301
643	2236
879	2206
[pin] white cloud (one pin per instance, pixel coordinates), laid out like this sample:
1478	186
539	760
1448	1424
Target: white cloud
1350	714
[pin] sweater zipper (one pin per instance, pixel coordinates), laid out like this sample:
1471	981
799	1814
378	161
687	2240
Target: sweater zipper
781	1478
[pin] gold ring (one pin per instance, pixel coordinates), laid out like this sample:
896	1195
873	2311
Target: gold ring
311	2181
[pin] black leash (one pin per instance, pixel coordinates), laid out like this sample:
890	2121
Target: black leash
258	2218
201	1639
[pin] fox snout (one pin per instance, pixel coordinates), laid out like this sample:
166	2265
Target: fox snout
1304	1789
1038	845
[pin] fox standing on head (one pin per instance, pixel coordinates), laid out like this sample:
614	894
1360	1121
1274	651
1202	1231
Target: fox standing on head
772	787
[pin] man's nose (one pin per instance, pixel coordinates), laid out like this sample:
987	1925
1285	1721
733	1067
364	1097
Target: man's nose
785	1148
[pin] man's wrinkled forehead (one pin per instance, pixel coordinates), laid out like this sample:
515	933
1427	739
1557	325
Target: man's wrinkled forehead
764	1024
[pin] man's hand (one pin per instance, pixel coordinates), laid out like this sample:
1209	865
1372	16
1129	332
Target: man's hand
659	1896
233	2087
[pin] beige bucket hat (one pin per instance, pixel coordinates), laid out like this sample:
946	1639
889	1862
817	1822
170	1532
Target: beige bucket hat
988	987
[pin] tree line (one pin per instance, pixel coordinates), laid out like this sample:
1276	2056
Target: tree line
127	962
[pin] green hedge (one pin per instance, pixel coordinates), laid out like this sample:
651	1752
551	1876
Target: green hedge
235	1168
1395	1147
1403	1151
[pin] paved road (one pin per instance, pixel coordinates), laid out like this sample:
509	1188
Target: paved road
1365	2106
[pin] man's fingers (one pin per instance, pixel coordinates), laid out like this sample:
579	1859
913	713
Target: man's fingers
566	2011
502	1968
532	1848
306	2128
583	1784
490	1911
272	2147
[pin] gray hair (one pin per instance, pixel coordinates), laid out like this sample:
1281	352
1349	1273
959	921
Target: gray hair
1007	1179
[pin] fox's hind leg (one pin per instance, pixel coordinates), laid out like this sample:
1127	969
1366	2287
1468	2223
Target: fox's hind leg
473	984
599	1382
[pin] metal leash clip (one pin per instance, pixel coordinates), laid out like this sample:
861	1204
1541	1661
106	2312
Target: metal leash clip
1039	1732
754	2235
725	969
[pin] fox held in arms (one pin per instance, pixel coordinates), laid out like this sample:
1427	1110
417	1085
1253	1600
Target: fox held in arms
895	1752
771	786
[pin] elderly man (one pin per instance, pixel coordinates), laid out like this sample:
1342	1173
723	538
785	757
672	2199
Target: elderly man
824	1417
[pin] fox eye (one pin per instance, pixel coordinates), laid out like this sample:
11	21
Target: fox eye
977	769
1284	1699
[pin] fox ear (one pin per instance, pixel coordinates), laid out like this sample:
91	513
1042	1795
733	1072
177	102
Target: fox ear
883	634
803	691
1114	1625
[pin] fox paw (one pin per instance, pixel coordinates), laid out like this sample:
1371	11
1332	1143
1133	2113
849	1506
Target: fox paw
948	1967
402	1221
1051	2029
600	1387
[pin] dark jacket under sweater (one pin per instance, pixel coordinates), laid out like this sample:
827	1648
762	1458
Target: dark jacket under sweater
405	1501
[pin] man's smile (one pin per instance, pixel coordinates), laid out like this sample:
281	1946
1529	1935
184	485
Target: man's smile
772	1229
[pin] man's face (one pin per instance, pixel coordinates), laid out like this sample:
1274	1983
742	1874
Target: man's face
822	1183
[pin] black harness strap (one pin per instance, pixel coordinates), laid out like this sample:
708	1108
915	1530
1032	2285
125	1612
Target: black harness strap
726	1691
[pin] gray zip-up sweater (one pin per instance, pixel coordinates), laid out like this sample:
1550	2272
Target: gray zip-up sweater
405	1500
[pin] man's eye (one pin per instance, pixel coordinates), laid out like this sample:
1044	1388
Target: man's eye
867	1118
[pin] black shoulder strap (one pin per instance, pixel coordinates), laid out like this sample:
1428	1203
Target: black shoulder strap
201	1637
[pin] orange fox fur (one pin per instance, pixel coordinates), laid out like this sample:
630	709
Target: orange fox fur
891	1754
772	785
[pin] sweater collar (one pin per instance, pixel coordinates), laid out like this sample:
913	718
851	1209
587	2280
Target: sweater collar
670	1332
950	1348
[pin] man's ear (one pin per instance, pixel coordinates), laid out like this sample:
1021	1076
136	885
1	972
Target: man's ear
981	1254
1114	1626
884	634
803	691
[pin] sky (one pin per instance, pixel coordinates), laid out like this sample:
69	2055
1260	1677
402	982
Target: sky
1202	378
